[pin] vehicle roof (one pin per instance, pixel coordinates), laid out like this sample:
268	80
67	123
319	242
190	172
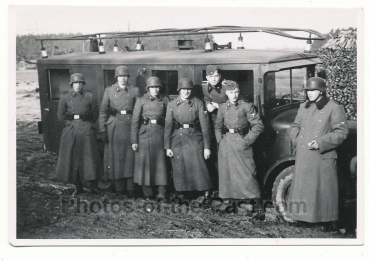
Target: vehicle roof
195	57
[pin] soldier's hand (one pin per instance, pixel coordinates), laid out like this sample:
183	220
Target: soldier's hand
216	105
135	147
103	136
313	145
210	107
169	153
207	153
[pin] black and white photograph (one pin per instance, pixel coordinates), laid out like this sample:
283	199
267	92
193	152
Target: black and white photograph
185	125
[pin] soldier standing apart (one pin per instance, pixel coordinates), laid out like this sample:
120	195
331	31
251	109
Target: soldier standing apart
147	138
237	127
214	95
78	154
118	101
320	126
187	140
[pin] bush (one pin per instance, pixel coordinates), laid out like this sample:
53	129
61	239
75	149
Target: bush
339	57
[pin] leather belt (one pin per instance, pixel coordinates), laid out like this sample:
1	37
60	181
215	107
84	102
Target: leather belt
241	131
178	125
157	121
114	111
72	117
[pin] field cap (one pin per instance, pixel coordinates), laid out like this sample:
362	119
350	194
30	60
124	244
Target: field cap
211	69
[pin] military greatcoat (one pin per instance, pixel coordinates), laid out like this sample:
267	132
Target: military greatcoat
148	132
188	144
120	158
235	157
214	94
314	183
78	155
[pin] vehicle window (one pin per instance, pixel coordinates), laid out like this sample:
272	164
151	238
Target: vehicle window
58	81
244	78
169	80
109	79
278	89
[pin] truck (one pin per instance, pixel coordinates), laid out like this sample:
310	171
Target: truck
273	80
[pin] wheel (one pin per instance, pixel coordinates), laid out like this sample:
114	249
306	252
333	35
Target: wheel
281	188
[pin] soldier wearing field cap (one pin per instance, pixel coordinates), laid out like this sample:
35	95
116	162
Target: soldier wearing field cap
115	128
237	127
147	138
187	140
78	155
214	94
320	126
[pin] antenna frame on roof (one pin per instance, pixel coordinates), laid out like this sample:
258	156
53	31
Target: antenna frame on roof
284	32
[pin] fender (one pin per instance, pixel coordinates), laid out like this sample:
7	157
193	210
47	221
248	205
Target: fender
289	158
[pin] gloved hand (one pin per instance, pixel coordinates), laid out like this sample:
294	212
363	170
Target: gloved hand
103	136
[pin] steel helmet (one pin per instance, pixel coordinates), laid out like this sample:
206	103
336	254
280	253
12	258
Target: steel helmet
185	83
153	82
121	71
316	83
77	77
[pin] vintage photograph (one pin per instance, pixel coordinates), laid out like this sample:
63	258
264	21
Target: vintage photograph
185	124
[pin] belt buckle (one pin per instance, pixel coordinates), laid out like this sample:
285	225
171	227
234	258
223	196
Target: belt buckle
75	116
186	125
153	121
231	131
123	112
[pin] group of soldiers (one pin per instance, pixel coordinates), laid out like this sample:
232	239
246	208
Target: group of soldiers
141	131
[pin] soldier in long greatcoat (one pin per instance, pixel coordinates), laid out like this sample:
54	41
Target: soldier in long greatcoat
147	138
214	95
115	128
320	126
237	127
78	155
187	140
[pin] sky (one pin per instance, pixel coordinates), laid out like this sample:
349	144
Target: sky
89	19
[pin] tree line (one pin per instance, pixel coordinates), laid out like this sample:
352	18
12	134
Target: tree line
332	34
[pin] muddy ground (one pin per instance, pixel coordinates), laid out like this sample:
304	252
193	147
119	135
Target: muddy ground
45	209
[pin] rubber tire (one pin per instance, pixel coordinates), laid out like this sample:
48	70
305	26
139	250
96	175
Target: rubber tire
280	191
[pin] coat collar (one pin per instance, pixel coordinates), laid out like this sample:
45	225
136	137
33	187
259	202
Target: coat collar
180	101
118	88
236	104
74	94
152	98
217	88
319	104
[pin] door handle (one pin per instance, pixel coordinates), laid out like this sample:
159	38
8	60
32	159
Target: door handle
47	109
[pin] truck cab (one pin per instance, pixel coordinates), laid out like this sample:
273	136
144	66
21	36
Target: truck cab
273	80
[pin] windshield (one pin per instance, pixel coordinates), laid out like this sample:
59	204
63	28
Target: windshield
285	87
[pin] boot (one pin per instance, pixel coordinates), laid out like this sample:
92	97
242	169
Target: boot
207	200
259	210
95	189
79	189
131	194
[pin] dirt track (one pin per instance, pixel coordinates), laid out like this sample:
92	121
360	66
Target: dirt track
42	214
